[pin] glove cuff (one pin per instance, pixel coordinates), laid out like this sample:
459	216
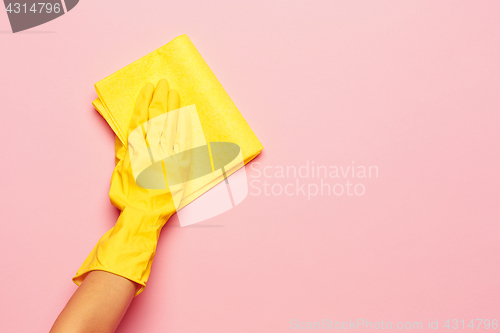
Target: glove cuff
128	248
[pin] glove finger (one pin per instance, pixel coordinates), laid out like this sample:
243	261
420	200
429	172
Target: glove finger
157	117
119	150
170	129
181	160
159	102
141	110
183	139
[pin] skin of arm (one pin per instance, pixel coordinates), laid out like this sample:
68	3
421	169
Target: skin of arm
97	306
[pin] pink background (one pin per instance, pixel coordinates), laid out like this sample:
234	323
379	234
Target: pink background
409	86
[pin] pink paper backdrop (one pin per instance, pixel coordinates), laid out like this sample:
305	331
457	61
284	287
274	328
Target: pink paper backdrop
411	87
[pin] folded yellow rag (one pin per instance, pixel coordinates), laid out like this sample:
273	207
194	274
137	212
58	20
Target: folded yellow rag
182	65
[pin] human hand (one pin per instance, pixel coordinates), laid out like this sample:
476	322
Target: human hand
147	185
152	169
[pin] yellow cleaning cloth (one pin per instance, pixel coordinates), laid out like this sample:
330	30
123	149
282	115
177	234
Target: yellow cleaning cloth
185	70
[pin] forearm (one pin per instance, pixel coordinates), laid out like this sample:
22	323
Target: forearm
98	305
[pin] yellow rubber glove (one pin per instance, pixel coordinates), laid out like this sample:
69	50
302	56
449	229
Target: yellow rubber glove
129	247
